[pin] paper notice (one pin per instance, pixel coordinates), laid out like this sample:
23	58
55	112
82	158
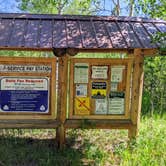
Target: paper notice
117	73
81	73
101	106
81	90
99	72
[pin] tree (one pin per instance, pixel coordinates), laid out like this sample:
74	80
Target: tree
58	6
152	8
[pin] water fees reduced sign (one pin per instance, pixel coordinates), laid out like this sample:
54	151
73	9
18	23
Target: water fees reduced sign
24	94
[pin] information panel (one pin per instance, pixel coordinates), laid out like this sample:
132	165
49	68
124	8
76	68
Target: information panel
24	94
27	88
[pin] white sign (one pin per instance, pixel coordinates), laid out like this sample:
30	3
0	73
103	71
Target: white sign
101	106
25	68
81	73
117	73
12	83
116	106
81	90
99	72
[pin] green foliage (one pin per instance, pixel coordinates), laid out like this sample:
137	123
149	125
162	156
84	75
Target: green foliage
58	6
152	8
149	150
154	97
86	147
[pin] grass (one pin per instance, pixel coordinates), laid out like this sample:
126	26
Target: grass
86	147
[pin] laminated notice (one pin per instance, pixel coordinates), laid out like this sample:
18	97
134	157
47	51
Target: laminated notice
81	90
99	72
82	106
116	103
99	90
81	72
117	73
101	106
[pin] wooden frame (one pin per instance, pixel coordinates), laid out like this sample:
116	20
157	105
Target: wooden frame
106	62
51	76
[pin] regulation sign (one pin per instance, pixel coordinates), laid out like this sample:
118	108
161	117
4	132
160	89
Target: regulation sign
24	94
82	106
99	90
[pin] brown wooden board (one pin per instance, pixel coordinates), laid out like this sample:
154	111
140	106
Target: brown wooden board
27	88
86	93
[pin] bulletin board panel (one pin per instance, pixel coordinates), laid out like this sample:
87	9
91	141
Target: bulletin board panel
100	88
27	88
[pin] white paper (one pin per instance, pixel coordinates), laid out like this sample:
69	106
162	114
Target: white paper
116	106
117	73
81	72
81	90
99	72
101	106
114	86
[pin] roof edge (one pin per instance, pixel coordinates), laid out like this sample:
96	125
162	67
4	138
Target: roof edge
77	17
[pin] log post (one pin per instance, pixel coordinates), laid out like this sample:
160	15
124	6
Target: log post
137	88
62	99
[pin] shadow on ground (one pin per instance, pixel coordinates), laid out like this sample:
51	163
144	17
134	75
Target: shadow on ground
16	151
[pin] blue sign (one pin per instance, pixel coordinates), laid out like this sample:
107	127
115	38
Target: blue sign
23	101
24	95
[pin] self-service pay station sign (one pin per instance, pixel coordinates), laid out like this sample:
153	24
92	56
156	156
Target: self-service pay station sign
27	88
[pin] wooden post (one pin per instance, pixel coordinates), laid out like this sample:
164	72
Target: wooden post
62	99
137	87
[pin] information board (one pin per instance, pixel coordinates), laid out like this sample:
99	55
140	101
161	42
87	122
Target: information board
27	88
100	88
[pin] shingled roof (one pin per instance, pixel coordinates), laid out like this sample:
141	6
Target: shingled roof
33	31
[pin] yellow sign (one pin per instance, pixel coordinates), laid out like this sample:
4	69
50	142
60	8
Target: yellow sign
82	106
99	92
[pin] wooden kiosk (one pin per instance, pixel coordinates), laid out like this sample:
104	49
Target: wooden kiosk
103	93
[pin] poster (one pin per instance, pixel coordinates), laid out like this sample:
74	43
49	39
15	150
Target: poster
82	106
117	73
101	106
99	90
81	72
24	94
99	72
81	90
116	103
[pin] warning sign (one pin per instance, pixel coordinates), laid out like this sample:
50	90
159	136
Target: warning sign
99	90
101	106
82	106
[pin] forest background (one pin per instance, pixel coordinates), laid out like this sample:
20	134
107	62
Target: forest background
28	147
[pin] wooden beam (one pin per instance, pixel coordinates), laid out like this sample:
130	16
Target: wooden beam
28	124
137	87
62	98
98	124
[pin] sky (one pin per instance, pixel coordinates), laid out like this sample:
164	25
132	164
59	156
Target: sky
10	6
